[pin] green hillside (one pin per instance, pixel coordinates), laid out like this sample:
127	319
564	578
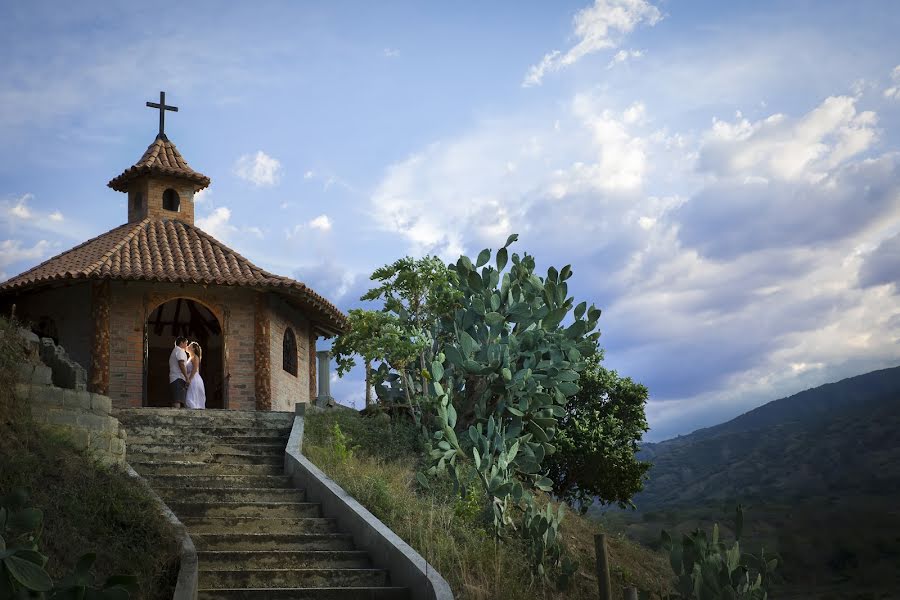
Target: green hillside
819	472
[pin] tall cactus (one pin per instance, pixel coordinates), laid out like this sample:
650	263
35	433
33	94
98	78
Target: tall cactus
501	378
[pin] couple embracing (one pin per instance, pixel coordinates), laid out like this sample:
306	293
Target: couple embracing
184	375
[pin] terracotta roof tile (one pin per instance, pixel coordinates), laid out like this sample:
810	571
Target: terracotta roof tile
167	250
161	158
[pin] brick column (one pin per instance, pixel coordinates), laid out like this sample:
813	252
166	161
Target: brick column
261	355
99	377
311	356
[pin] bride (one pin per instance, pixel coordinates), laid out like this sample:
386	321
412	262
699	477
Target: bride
196	392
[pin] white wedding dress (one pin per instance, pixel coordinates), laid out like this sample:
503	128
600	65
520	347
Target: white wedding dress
196	392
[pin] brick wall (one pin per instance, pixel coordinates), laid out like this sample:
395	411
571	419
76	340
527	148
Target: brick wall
70	309
151	192
132	303
288	389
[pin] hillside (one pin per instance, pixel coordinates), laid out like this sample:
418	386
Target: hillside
819	473
836	439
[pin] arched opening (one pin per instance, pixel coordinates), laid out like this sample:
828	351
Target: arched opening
191	319
171	201
289	352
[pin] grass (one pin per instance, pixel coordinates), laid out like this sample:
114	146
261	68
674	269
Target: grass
375	461
86	507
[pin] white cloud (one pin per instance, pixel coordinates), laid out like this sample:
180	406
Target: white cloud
12	251
322	223
218	223
20	209
309	175
202	196
598	27
390	53
779	147
586	166
623	56
17	214
259	169
893	92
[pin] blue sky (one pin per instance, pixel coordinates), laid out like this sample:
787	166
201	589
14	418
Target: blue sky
723	177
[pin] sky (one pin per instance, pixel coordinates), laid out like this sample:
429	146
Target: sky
723	177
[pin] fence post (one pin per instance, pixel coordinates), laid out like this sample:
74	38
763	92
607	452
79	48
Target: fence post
602	567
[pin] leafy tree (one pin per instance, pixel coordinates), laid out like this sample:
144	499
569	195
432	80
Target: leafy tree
419	292
378	336
416	293
597	440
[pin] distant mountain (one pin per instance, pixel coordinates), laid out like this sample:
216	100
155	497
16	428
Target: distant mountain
835	439
818	473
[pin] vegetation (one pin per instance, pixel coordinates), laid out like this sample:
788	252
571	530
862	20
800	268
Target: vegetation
22	565
486	360
85	507
819	470
706	569
375	459
597	441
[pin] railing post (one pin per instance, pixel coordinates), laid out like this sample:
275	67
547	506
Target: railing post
602	567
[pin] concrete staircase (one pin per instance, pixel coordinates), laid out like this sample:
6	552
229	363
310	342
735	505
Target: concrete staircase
257	537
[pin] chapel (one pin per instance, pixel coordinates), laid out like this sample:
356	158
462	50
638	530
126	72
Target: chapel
117	302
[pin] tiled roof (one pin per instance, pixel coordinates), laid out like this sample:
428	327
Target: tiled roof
161	158
173	251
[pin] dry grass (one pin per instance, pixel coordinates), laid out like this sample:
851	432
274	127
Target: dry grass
450	534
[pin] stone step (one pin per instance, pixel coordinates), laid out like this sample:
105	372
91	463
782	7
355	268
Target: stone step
259	525
244	440
218	481
246	509
217	458
203	468
176	416
206	442
360	593
234	494
192	431
283	559
298	542
292	578
166	447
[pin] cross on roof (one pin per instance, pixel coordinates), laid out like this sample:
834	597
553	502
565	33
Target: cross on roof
162	111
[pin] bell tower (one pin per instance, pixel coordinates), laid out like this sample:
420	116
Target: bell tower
160	185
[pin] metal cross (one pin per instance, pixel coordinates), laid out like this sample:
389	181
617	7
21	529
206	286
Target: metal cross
162	111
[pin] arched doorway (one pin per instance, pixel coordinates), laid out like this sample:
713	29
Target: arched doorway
193	320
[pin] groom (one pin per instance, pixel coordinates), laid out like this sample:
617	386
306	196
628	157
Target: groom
177	372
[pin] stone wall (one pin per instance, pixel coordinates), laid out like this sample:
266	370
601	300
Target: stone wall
83	417
288	389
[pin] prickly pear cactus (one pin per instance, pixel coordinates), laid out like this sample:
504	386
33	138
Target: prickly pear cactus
707	570
511	355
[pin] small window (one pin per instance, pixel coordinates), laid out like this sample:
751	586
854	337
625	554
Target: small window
171	200
289	352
